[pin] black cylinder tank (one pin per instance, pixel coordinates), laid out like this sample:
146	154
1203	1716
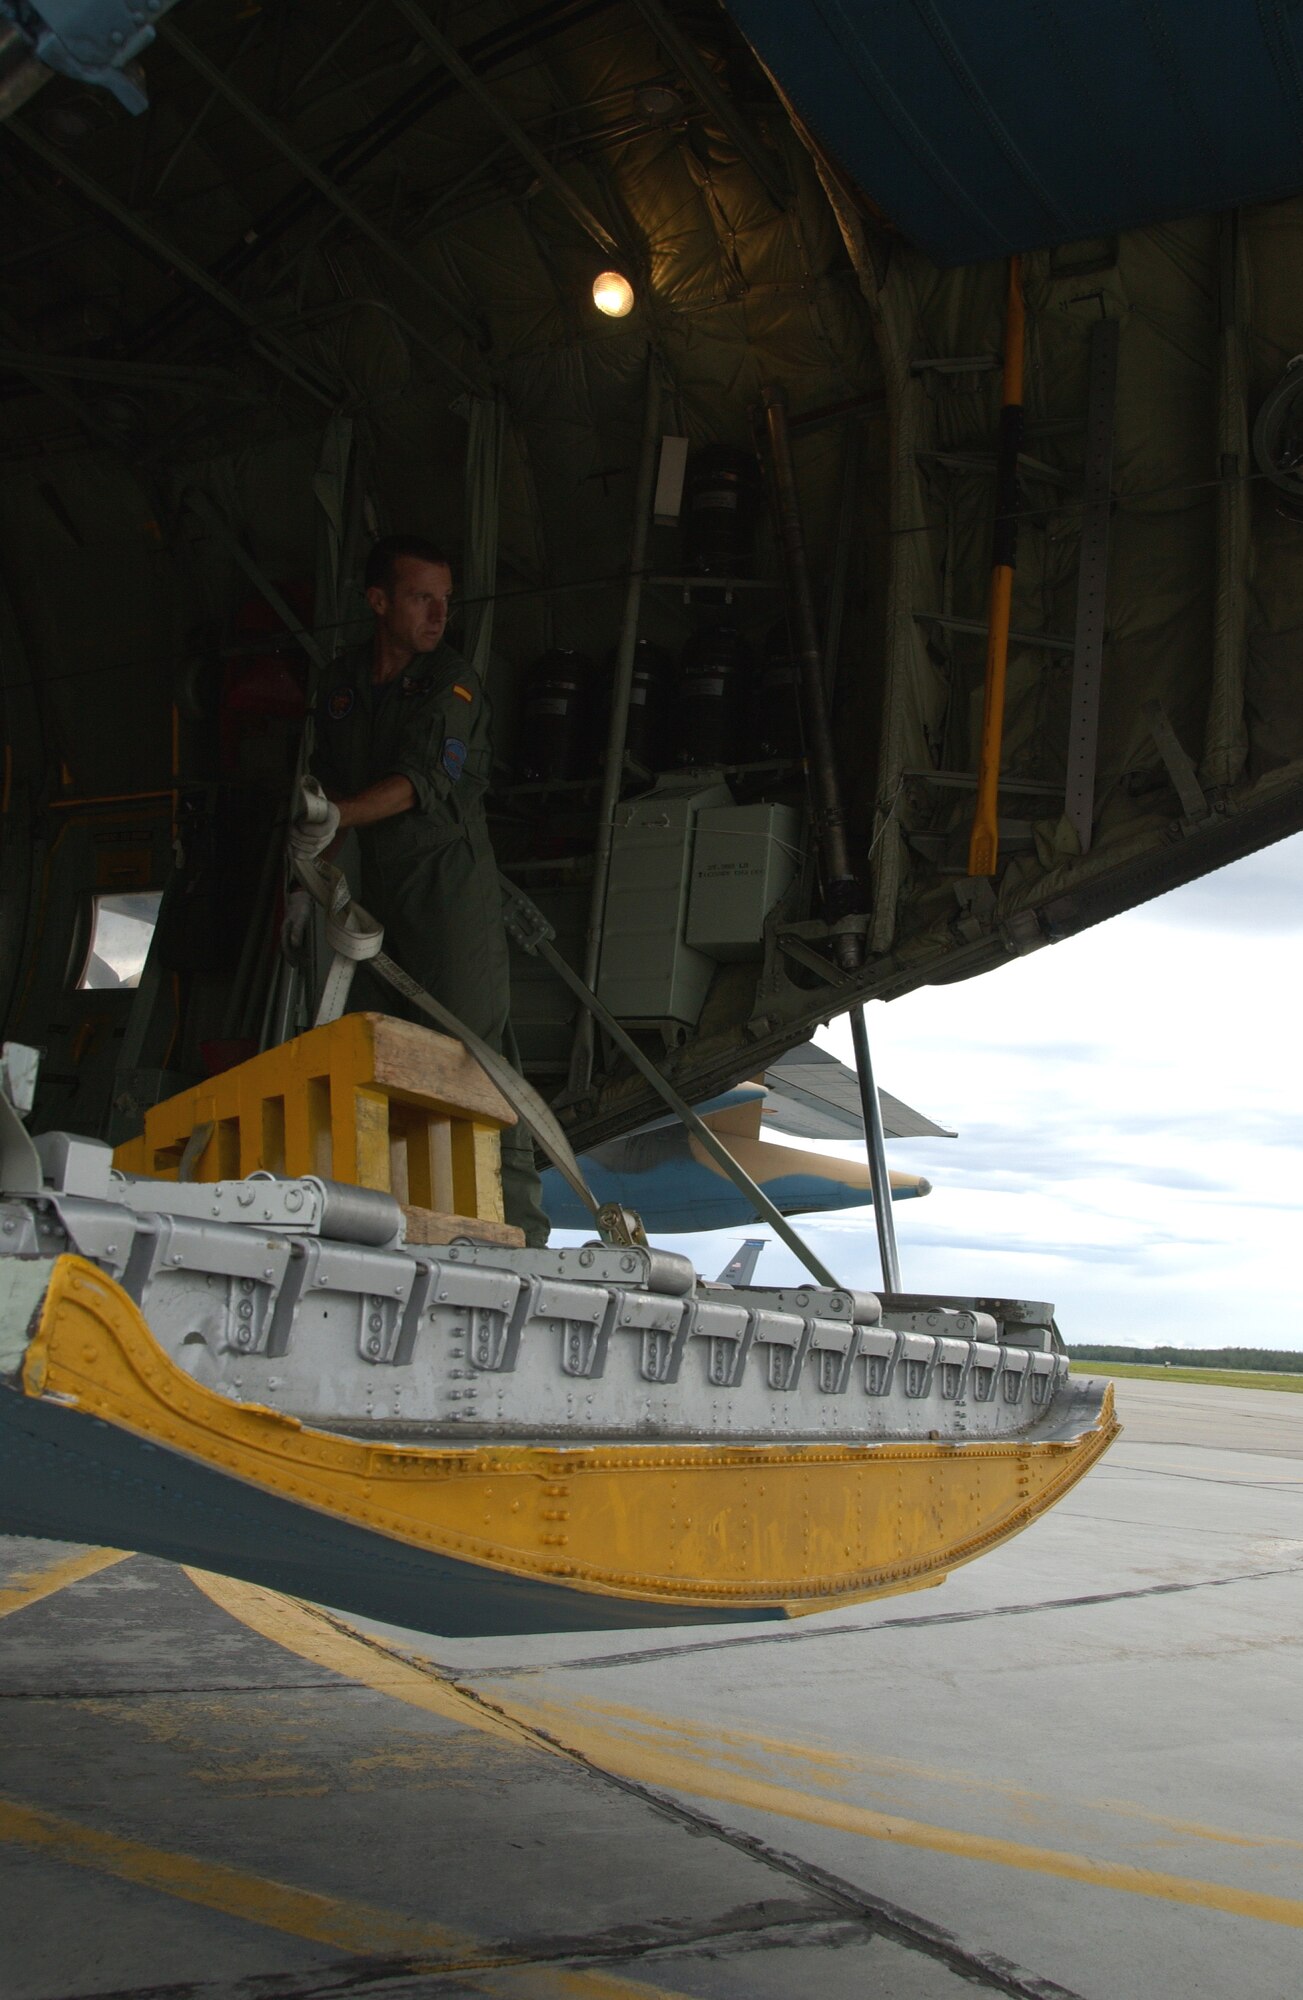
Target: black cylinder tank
650	692
707	698
719	512
554	715
773	709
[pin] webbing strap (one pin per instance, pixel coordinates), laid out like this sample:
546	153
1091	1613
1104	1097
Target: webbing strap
355	936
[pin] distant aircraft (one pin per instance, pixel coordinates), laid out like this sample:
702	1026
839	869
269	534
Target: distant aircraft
741	1269
668	1177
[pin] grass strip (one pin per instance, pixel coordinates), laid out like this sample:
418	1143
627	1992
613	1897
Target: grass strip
1215	1378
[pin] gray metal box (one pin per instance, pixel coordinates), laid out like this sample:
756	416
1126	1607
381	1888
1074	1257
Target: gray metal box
743	859
648	972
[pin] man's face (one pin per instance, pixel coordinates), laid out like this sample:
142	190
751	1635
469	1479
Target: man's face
414	610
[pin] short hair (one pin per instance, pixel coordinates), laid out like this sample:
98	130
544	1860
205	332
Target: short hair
379	571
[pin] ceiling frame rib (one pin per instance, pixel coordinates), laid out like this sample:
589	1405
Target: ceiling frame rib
767	169
397	253
122	374
440	46
360	148
267	343
192	130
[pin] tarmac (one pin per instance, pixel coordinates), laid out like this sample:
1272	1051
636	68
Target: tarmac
1074	1769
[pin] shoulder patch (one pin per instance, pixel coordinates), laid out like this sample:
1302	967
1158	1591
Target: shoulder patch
464	692
454	757
340	704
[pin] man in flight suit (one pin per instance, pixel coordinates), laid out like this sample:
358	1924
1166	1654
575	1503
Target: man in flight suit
402	749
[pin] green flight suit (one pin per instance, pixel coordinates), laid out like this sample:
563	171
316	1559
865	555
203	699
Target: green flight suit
429	874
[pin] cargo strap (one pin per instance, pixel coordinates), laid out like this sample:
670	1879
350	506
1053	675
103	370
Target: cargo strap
533	933
356	937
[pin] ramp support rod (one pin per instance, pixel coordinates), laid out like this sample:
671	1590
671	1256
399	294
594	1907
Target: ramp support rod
883	1215
581	1055
1092	584
841	890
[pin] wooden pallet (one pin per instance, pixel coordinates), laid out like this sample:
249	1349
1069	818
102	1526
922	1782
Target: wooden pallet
367	1099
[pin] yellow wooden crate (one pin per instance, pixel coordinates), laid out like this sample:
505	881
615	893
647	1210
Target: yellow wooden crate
370	1100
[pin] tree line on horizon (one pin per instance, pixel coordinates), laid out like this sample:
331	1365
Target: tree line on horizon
1268	1359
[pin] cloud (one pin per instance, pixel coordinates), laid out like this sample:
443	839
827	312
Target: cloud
1051	1051
1258	896
1130	1124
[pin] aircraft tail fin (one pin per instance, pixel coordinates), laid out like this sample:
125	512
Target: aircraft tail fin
741	1269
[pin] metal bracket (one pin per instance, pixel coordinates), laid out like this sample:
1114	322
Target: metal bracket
1022	932
787	1339
581	1316
622	1227
662	1325
796	948
879	1347
954	1359
977	899
245	1270
489	1300
728	1332
1041	642
918	1356
1178	764
366	1277
835	1343
525	923
984	1371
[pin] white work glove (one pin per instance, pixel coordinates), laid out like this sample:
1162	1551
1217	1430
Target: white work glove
314	826
298	915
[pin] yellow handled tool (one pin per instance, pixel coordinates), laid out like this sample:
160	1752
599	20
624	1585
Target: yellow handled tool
983	847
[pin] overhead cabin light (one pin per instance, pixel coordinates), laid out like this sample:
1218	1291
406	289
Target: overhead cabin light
612	294
657	101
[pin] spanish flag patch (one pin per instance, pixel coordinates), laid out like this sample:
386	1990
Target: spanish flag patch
465	693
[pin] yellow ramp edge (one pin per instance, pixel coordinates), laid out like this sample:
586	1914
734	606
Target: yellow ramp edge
802	1526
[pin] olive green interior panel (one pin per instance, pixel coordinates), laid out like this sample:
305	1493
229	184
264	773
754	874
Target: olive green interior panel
243	333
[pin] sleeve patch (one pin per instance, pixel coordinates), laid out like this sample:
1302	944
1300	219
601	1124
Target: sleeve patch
340	704
463	692
454	757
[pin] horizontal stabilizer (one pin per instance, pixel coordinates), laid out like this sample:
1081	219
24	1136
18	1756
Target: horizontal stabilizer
669	1178
812	1095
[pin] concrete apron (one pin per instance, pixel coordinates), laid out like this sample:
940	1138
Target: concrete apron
1070	1770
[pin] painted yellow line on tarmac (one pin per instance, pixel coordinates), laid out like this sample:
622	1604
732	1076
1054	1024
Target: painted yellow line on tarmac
669	1771
560	1983
315	1636
30	1586
347	1926
329	1920
748	1750
690	1773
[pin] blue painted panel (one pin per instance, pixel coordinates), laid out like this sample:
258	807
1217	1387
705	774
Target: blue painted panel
677	1195
985	126
73	1478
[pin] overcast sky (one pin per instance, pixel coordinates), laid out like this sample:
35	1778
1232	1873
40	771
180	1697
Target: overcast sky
1130	1114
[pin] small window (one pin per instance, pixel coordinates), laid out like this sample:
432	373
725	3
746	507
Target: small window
122	927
